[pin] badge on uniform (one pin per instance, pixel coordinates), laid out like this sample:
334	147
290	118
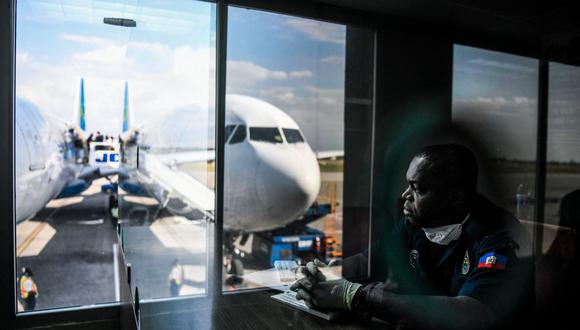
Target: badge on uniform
492	260
466	264
414	259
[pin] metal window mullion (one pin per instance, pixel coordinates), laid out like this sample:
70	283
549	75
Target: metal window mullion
7	223
215	288
541	151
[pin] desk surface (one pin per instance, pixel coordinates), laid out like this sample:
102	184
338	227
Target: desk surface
246	310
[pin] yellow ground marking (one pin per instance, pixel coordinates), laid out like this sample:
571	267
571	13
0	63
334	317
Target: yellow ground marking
32	237
62	202
147	201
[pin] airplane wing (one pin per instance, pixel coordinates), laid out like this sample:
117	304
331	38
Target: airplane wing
180	158
161	168
329	154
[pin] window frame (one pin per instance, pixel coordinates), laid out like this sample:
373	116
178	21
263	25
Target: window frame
101	312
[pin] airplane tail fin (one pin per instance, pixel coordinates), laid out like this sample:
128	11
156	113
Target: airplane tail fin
80	120
127	116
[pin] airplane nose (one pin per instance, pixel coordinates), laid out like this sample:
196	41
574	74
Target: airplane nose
288	185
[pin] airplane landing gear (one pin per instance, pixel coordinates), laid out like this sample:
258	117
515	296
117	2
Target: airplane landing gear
233	264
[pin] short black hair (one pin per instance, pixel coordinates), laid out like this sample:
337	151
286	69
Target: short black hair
454	163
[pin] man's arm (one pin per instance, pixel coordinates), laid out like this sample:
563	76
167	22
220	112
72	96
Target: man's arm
429	312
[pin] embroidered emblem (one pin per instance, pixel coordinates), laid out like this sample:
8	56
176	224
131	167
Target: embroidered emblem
414	259
492	260
465	268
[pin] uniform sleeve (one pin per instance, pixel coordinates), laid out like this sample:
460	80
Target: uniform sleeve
500	279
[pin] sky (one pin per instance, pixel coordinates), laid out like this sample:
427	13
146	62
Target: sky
495	97
169	62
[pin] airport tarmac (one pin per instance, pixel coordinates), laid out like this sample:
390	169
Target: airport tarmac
69	247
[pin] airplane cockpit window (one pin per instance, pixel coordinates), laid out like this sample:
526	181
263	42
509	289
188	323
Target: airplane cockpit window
229	130
265	134
239	135
292	135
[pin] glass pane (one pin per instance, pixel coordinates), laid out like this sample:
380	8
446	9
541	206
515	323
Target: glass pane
84	92
65	60
166	192
495	100
282	202
562	207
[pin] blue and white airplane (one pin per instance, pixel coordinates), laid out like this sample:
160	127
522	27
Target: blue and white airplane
48	162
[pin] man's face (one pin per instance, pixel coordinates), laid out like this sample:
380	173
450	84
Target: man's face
428	201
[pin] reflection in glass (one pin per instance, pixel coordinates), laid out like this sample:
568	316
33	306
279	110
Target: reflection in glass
495	100
166	188
285	75
562	206
91	96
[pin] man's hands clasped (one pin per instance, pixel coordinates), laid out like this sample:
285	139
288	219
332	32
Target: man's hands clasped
316	291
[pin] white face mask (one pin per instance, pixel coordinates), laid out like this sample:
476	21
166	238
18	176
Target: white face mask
445	234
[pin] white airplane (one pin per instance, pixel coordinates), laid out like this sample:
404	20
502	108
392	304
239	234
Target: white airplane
271	178
47	162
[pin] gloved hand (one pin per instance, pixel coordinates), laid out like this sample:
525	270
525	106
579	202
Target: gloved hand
317	292
312	272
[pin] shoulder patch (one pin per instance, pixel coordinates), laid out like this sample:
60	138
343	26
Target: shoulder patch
492	260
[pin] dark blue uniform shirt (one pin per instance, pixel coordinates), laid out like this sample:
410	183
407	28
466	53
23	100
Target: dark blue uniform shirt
491	262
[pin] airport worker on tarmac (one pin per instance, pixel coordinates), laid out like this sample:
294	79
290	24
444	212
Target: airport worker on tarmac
175	278
28	289
455	260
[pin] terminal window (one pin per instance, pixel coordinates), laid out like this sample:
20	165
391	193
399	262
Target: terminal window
285	81
495	99
95	98
115	128
563	162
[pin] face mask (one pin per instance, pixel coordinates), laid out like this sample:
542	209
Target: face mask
445	234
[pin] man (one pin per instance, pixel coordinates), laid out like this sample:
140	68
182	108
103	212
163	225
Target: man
175	278
455	260
28	289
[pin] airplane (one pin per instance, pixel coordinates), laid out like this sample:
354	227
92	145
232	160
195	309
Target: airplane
48	162
271	177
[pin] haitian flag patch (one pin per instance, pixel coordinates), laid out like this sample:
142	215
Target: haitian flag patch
492	260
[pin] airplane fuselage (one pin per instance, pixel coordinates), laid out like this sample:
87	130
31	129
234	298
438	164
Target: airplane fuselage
271	173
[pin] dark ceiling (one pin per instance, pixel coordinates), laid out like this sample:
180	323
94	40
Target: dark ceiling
552	24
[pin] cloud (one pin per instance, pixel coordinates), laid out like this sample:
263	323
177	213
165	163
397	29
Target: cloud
85	40
319	31
108	54
506	125
243	76
332	60
163	78
301	74
182	76
503	65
